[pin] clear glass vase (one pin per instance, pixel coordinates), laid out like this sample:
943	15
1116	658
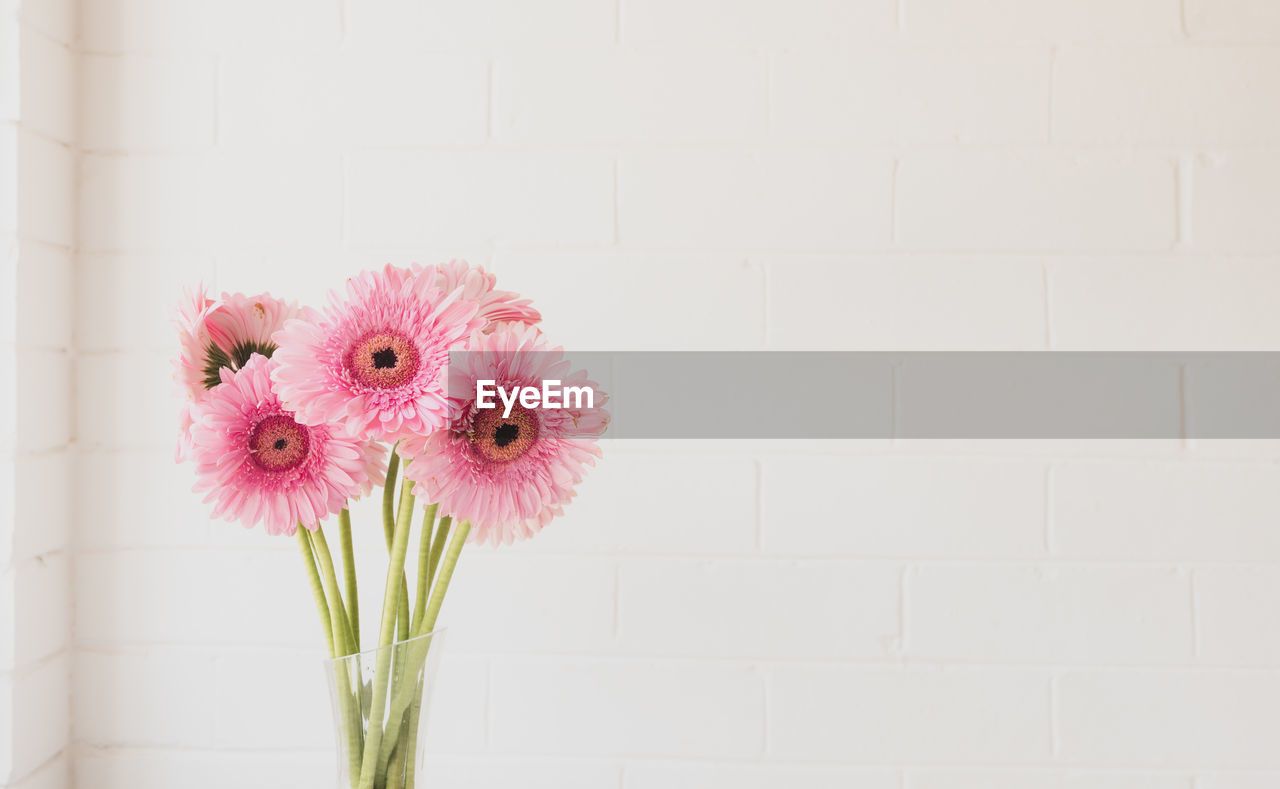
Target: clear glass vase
380	704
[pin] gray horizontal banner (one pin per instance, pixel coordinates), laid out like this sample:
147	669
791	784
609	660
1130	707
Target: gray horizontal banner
928	395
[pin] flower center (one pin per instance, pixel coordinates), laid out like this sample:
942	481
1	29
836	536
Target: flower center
502	439
278	443
383	360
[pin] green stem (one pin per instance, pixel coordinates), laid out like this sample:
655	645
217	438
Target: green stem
317	589
424	565
382	674
350	713
390	516
403	695
411	746
450	561
349	571
342	635
389	497
437	550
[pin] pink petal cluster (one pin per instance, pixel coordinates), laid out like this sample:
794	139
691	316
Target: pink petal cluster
496	307
258	464
374	362
284	408
217	335
508	475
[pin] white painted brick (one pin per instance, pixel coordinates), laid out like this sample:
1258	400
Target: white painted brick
757	609
47	74
9	627
8	402
144	102
804	200
41	504
1237	780
1032	200
265	199
1151	511
662	776
386	98
1233	198
54	774
1126	780
1187	304
912	94
132	410
288	199
1169	719
299	714
1188	96
378	23
520	197
54	18
195	597
485	773
650	97
42	609
41	713
152	25
708	506
1233	20
626	708
458	716
973	508
1042	779
1047	20
1231	602
881	715
6	727
274	272
9	191
145	697
44	400
130	768
8	484
625	287
1049	614
140	202
757	22
905	303
44	313
507	604
46	190
142	498
103	282
10	82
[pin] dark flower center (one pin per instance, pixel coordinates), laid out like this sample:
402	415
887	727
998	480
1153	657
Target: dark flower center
503	439
382	360
278	443
215	359
505	434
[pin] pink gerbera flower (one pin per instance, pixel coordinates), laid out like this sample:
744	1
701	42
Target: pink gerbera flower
220	335
375	362
496	306
258	464
508	475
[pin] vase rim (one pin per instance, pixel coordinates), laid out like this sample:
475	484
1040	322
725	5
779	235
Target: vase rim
439	631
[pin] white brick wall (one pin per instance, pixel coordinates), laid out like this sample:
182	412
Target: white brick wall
812	174
37	236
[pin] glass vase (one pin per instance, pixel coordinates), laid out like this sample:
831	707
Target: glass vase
380	704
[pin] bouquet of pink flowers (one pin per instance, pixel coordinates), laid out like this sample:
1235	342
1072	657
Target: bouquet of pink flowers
291	413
